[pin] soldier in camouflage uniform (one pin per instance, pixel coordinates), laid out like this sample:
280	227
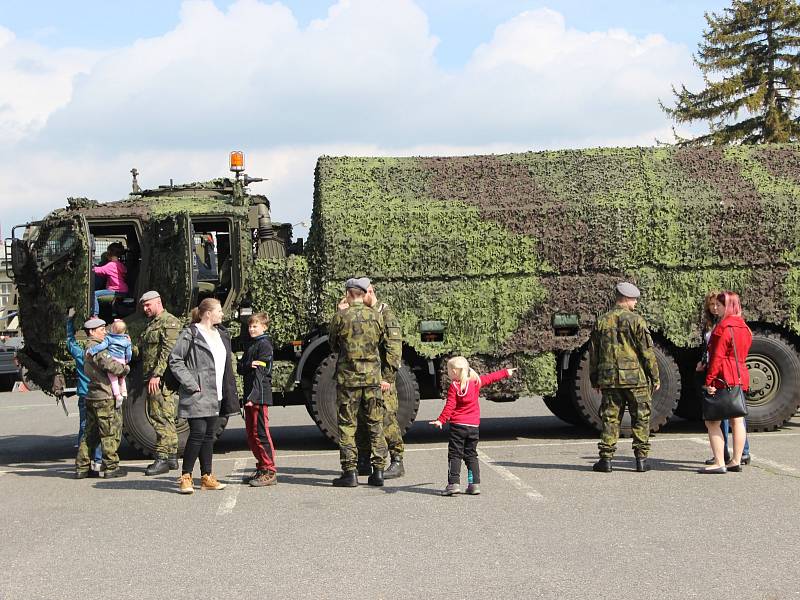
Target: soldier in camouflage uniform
623	366
356	334
103	419
391	354
155	344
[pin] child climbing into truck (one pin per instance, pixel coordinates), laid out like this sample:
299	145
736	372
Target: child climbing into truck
255	366
462	409
115	273
118	344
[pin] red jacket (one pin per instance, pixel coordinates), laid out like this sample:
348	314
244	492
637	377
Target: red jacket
721	361
464	408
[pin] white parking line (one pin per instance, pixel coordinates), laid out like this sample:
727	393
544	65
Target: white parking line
234	485
771	463
509	476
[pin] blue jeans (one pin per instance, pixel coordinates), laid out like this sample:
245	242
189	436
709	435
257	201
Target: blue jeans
100	294
726	429
97	455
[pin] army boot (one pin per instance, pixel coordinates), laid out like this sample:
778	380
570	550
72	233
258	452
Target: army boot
347	479
364	466
172	462
641	464
158	466
395	469
602	466
376	478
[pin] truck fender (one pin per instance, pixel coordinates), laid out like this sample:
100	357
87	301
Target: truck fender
307	352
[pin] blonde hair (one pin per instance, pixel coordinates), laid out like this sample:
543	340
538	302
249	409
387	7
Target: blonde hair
118	326
204	307
458	370
259	317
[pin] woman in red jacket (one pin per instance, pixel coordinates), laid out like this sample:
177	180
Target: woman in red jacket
724	367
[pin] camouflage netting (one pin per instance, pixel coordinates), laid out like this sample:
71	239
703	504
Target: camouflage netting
495	245
279	287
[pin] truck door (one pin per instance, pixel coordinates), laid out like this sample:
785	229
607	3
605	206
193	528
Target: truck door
171	265
51	264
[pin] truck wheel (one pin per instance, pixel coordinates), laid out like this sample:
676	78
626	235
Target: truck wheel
587	400
774	395
322	404
561	405
136	424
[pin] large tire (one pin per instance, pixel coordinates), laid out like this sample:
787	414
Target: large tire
587	400
561	405
138	429
774	395
322	404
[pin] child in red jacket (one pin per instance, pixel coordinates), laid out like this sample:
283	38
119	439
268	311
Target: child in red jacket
463	411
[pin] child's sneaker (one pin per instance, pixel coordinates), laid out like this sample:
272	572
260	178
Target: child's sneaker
118	403
451	490
209	482
251	476
264	478
186	484
473	489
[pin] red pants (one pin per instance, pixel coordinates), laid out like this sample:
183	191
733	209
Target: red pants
256	418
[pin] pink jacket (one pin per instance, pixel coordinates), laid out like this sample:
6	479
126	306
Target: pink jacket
115	273
464	408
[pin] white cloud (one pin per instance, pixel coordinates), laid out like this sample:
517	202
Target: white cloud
362	80
34	82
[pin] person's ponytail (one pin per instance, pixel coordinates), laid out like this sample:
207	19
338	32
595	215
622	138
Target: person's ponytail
195	314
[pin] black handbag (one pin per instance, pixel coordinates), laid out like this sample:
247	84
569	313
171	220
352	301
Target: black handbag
728	402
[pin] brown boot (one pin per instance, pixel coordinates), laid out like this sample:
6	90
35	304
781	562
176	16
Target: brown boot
264	478
209	482
186	483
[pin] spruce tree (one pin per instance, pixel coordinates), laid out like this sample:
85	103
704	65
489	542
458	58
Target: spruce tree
751	67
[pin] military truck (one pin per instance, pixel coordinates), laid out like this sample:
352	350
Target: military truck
506	259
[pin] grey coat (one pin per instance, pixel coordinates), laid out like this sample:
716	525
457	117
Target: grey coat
192	364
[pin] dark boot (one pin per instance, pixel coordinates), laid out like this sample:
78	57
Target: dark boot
172	462
641	464
364	466
602	466
158	466
347	479
376	478
395	469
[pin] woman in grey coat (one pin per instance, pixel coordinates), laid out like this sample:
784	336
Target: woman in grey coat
202	362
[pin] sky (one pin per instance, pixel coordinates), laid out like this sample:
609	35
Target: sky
92	88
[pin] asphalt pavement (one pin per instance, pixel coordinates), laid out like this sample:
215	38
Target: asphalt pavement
545	526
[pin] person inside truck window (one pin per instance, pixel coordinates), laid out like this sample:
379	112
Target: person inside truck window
115	273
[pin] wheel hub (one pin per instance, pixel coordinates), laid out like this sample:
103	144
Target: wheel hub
765	379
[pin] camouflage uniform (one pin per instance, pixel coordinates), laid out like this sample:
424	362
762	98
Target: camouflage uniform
155	344
391	353
357	334
623	365
103	419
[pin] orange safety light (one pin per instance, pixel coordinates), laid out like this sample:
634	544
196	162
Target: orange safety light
237	161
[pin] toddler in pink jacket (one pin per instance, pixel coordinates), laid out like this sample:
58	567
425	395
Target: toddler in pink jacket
463	411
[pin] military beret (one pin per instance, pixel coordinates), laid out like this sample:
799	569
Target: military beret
151	295
94	323
628	290
362	283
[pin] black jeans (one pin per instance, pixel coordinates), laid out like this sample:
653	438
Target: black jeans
463	445
200	443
